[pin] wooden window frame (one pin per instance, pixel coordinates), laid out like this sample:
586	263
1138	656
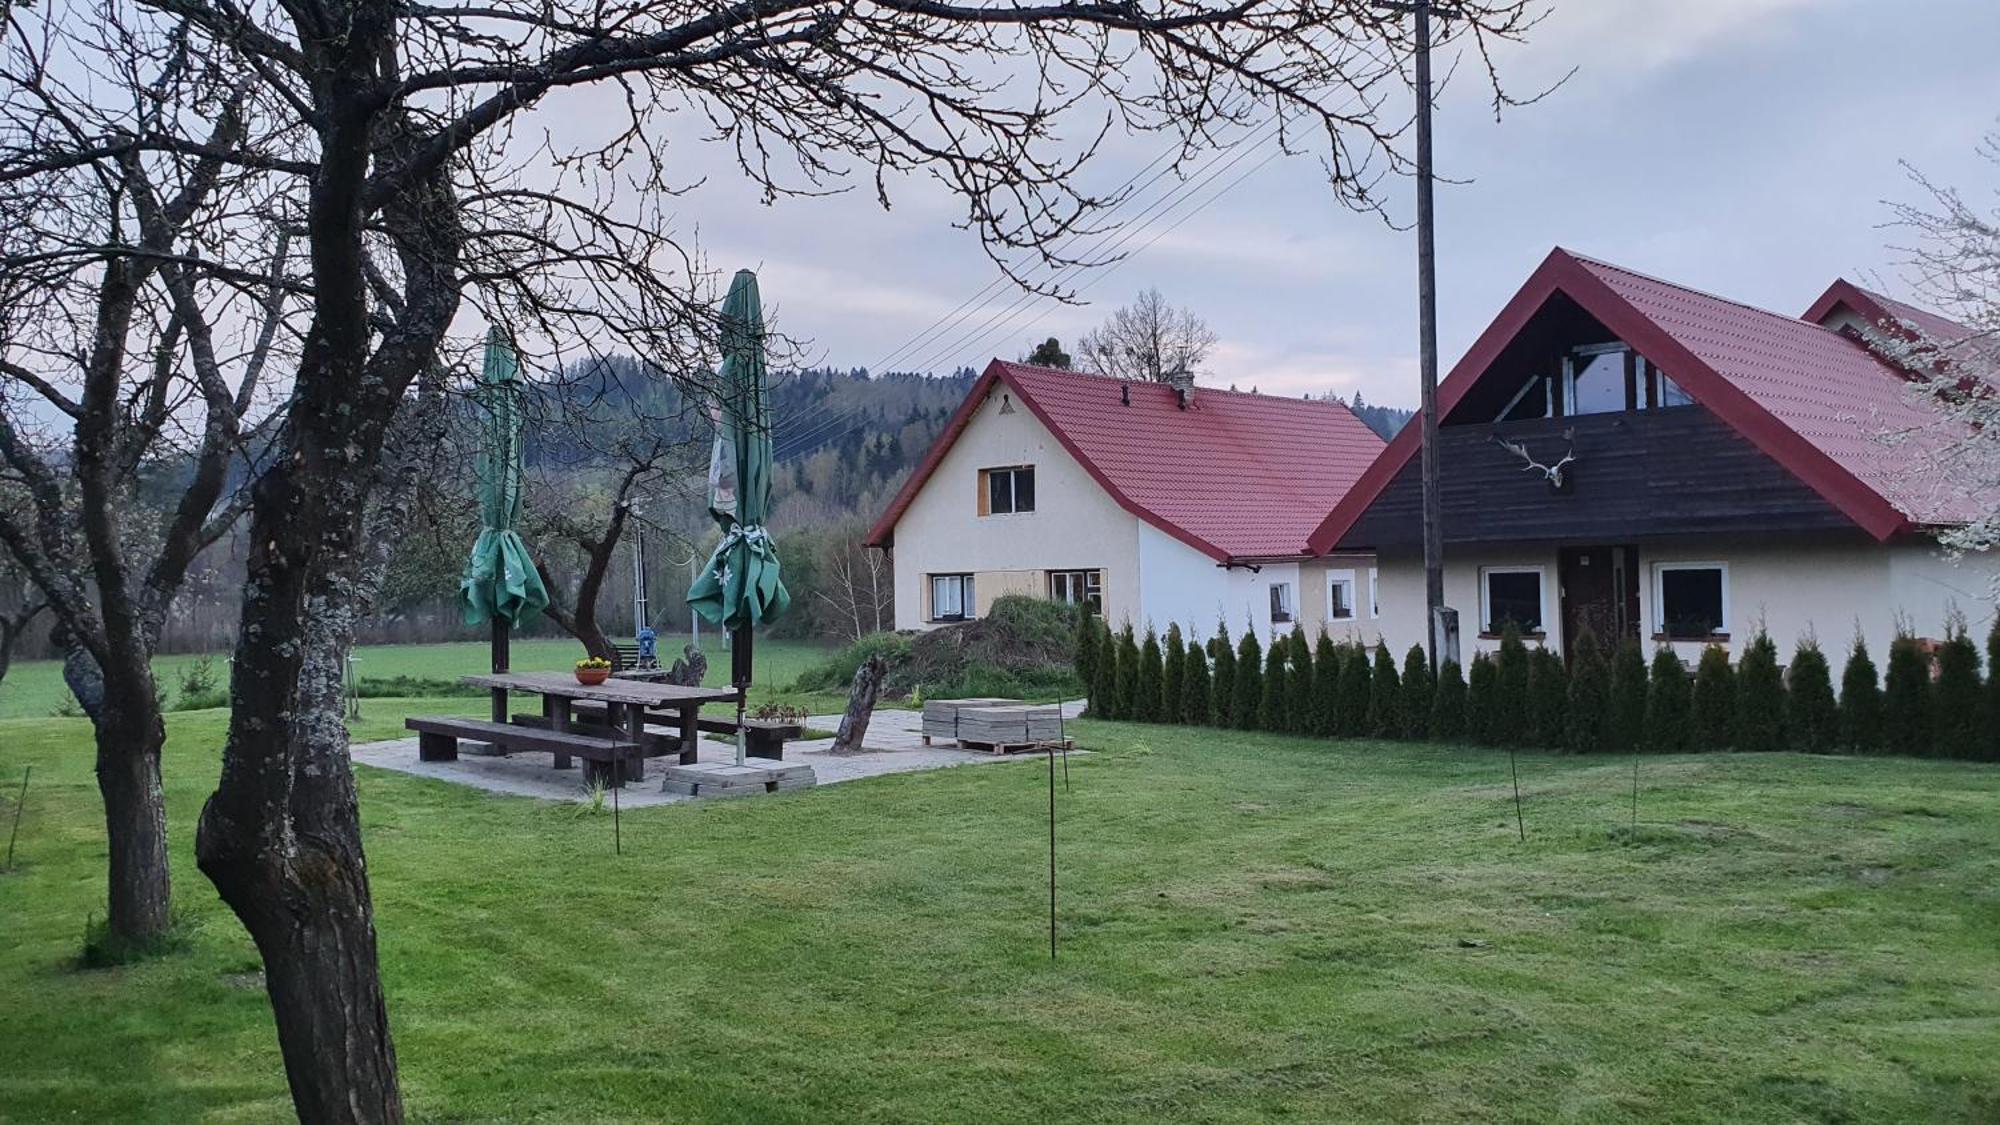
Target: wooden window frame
1013	491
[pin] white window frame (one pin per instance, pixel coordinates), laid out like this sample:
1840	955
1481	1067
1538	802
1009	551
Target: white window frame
1374	593
1659	569
1541	573
1353	606
1093	585
1569	366
1281	596
1013	489
967	602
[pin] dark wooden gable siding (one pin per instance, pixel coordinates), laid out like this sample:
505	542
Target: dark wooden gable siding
1660	472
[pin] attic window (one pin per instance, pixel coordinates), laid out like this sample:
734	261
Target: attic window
1007	491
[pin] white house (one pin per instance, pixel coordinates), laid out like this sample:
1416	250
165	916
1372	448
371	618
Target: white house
1634	457
1156	503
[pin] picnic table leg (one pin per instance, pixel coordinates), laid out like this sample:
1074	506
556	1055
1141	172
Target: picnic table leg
690	732
634	767
556	710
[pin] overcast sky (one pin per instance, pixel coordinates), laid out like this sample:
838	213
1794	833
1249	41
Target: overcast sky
1740	146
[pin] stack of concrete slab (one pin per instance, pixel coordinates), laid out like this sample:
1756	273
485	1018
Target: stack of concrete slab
1009	728
727	779
941	715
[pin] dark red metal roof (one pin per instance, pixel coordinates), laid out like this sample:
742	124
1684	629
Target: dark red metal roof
1235	476
1813	399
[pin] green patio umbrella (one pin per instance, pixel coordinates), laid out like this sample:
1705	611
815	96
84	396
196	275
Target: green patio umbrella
740	588
501	584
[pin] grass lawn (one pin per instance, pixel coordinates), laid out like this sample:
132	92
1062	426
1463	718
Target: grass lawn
34	689
1253	928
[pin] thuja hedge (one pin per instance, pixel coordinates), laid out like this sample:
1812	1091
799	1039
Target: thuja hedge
1937	703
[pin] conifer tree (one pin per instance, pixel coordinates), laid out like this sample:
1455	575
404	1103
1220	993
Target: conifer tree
1355	686
1125	702
1510	695
1860	700
1714	705
1173	673
1150	690
1956	730
1625	729
1104	697
1222	678
1385	696
1417	692
1273	713
1812	718
1906	698
1482	707
1991	749
1760	697
1195	689
1448	704
1669	704
1299	684
1548	698
1086	657
1326	687
1587	716
1248	695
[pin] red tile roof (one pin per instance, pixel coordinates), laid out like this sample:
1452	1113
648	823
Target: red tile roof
1235	476
1813	399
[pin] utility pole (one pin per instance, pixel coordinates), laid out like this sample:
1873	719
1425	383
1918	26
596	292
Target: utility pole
1427	330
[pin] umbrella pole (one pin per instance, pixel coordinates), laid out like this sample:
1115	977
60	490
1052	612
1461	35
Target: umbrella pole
500	666
739	668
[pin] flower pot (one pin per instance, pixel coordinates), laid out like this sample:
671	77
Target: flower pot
592	675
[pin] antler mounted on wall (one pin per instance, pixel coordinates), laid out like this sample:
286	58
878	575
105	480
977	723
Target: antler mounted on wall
1554	472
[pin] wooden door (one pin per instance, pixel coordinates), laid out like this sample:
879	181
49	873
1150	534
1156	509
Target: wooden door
1591	594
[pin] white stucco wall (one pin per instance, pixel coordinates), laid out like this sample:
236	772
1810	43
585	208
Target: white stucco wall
1075	524
1792	586
1181	584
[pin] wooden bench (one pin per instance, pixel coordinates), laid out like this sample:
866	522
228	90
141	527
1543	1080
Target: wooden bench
611	761
763	738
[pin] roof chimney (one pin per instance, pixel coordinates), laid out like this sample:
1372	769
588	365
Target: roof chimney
1182	381
1124	394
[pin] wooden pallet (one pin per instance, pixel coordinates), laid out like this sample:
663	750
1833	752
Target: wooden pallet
1056	745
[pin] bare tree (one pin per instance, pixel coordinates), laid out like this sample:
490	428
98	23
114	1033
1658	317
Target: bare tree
854	585
14	625
390	127
1147	340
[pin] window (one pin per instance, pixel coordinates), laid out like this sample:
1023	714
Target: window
951	597
1281	602
1078	587
1374	594
1691	601
1511	594
1008	491
1597	380
1340	599
1666	391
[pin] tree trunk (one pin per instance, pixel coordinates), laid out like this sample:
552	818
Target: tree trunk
135	822
860	705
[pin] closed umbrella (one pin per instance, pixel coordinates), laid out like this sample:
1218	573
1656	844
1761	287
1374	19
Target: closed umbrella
501	584
740	588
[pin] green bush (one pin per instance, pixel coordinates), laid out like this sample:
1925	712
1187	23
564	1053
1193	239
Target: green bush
1385	696
1104	690
1194	689
1272	713
1957	697
1222	678
1548	698
1760	697
1248	695
1087	630
1860	700
836	672
1171	708
1125	694
1587	717
1625	728
1906	698
1355	686
1482	705
1299	684
1448	704
1812	718
1417	691
1669	704
1714	699
1150	689
1510	698
1326	687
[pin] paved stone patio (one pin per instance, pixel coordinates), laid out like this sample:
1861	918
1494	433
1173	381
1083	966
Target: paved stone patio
894	744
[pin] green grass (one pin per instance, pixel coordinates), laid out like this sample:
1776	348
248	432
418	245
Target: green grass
1253	928
34	688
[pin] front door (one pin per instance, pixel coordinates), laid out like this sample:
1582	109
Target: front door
1600	592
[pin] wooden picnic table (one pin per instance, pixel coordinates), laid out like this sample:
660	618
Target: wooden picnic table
626	702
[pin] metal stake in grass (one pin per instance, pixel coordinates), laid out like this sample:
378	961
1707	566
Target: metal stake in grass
1514	769
617	837
1052	852
1635	791
20	803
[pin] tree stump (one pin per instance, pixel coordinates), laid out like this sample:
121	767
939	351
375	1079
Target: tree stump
860	705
